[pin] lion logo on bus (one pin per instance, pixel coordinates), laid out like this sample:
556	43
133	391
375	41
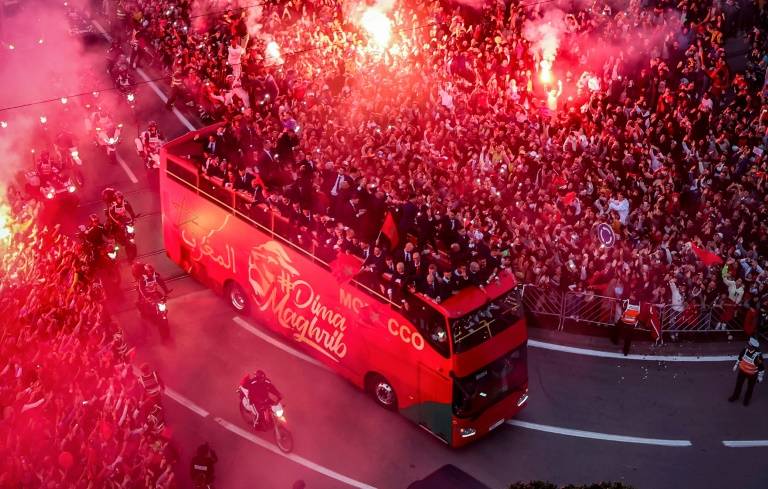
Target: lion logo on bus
265	264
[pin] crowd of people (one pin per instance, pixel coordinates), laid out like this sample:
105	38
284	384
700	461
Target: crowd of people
646	126
72	411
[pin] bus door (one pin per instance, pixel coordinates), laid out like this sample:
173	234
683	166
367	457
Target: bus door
435	411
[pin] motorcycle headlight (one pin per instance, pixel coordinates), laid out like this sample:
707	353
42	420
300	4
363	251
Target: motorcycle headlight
75	154
112	254
129	229
50	194
277	410
161	306
131	97
111	140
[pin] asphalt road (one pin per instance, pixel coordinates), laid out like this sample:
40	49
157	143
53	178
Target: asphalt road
671	418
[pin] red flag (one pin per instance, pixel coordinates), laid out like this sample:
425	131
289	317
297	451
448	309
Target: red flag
345	266
654	322
389	229
706	257
568	198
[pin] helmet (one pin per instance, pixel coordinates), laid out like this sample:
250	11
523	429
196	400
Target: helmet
202	450
754	343
94	218
149	268
118	194
260	375
152	125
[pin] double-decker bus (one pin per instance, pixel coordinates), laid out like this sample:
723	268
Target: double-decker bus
458	368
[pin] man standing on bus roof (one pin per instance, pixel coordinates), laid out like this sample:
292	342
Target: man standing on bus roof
750	367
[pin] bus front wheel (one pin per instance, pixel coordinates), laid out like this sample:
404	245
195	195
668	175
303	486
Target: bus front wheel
383	392
237	297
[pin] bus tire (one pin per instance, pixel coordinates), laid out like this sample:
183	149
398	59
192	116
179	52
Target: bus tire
382	392
237	297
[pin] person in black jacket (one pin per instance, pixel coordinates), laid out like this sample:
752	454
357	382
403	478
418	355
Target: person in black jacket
202	466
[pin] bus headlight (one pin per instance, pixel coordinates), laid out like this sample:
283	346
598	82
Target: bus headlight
71	188
467	432
161	306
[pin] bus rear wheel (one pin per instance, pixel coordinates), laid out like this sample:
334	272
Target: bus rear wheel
382	392
237	297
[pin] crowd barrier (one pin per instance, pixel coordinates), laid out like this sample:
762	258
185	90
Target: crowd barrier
555	308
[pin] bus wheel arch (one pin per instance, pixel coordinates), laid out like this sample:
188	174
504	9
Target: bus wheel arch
237	297
381	390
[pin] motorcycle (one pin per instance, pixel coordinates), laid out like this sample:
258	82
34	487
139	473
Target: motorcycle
150	154
55	186
108	138
155	308
273	418
124	233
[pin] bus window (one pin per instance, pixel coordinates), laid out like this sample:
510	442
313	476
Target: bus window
431	325
475	392
485	322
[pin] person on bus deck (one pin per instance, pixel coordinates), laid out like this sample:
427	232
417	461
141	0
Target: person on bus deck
447	284
243	181
418	267
374	262
460	278
210	165
406	253
430	288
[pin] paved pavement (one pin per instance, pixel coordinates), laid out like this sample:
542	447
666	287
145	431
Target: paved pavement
653	424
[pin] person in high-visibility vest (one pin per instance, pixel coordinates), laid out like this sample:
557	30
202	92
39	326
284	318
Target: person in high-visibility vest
153	386
750	367
625	326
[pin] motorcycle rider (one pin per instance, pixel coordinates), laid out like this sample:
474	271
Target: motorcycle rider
94	233
119	211
202	467
260	389
148	143
46	169
149	284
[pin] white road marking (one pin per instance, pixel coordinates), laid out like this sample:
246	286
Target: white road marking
619	356
164	98
152	84
291	456
102	30
126	168
187	403
278	344
745	443
599	436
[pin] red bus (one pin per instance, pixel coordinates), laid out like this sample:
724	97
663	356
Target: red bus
458	369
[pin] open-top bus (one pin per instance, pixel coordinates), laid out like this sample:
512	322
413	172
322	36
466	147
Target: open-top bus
458	368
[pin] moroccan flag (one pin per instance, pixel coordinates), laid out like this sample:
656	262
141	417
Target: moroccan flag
345	266
706	257
389	229
569	197
654	322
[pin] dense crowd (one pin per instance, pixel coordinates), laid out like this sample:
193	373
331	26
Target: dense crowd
72	412
646	126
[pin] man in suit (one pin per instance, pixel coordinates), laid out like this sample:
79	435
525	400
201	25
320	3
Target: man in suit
430	288
243	181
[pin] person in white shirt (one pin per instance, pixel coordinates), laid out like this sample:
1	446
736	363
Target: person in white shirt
234	57
621	205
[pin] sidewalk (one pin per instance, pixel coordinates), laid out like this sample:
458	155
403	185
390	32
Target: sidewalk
639	347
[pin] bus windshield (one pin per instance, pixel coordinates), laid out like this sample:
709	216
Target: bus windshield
476	392
485	322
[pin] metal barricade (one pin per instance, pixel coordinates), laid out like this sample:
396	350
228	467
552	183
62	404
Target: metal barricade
550	307
591	308
543	304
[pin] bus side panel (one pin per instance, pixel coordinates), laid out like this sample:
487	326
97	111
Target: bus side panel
336	323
